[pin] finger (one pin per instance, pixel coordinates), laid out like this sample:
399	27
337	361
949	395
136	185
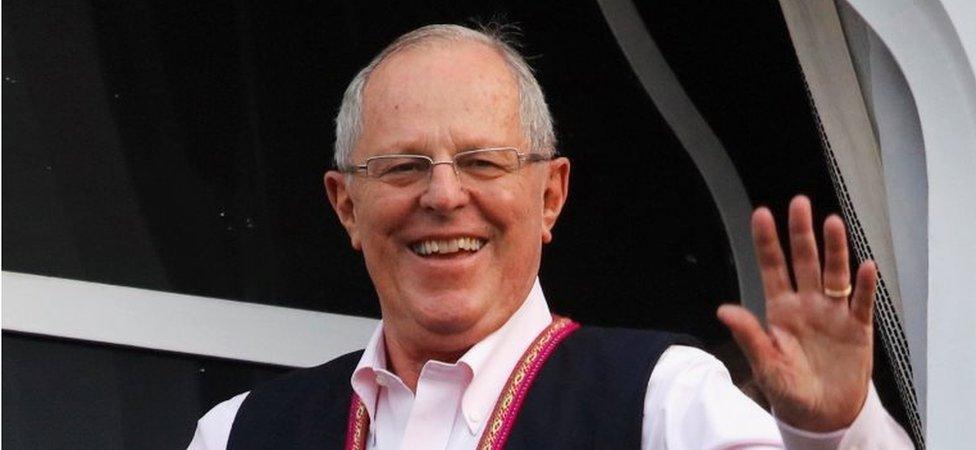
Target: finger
772	264
748	333
862	304
837	272
803	246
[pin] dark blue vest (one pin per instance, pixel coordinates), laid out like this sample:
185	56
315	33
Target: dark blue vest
588	395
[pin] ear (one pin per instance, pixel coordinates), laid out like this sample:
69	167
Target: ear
342	202
554	196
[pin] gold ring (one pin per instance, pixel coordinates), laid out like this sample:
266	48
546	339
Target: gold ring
838	293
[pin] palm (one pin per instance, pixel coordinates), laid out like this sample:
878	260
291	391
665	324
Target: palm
814	359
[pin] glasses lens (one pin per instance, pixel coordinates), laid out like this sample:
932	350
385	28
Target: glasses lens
487	164
399	170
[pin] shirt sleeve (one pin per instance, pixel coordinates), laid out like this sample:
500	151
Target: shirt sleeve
691	403
872	428
213	429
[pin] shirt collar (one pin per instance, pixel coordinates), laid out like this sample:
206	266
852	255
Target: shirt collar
364	377
491	360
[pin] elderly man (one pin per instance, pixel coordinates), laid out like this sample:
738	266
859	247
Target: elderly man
448	184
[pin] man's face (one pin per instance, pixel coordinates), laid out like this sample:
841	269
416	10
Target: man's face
439	99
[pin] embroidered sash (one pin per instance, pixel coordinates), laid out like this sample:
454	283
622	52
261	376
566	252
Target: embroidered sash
509	400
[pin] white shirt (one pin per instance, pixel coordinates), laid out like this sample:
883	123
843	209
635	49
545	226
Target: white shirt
690	402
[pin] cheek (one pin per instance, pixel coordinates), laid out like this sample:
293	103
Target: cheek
381	215
517	214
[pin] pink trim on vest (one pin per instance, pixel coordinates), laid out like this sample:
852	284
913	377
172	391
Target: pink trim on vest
513	395
358	424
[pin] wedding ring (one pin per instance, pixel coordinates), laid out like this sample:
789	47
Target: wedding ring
838	293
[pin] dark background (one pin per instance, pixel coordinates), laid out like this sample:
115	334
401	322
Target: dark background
179	146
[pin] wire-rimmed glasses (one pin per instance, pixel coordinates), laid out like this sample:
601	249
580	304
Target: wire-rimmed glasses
472	165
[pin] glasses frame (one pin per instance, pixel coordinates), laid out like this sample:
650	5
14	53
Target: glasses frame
523	158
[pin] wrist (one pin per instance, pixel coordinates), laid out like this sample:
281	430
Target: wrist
820	421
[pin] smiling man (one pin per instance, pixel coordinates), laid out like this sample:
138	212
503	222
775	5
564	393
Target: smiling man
449	185
410	218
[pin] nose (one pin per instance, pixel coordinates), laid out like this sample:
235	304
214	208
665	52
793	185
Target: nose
444	190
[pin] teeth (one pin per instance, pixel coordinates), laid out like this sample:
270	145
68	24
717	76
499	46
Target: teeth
448	246
452	246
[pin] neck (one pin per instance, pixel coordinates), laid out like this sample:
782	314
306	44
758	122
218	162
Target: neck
407	361
409	346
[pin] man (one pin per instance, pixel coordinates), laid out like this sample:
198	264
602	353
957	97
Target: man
449	185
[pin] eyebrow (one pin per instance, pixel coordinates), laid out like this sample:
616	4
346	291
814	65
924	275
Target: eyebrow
401	146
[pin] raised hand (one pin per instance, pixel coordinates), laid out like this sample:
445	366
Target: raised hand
814	359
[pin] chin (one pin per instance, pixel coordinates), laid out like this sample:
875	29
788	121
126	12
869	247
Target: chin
449	316
439	326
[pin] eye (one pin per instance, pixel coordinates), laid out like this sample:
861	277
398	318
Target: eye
488	163
405	167
479	163
397	167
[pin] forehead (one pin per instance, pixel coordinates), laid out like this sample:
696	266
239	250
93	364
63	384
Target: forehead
457	91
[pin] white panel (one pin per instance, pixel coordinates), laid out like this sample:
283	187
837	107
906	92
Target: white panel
903	157
936	59
903	160
179	323
962	15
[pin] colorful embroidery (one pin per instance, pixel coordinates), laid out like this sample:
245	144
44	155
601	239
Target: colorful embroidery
509	401
358	425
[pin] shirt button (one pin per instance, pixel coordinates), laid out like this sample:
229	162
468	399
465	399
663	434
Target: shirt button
382	380
474	417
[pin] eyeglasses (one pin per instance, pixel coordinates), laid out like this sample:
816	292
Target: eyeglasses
472	165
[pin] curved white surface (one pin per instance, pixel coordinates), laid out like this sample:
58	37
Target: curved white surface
933	43
899	134
180	323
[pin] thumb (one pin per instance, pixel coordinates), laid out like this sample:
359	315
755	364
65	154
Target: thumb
748	333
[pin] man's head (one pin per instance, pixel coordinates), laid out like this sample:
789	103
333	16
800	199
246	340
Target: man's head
533	112
438	91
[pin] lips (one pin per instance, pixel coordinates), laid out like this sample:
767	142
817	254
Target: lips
429	247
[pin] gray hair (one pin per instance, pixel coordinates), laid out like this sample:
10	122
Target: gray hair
537	123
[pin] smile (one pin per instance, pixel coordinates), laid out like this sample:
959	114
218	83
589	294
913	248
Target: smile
447	246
